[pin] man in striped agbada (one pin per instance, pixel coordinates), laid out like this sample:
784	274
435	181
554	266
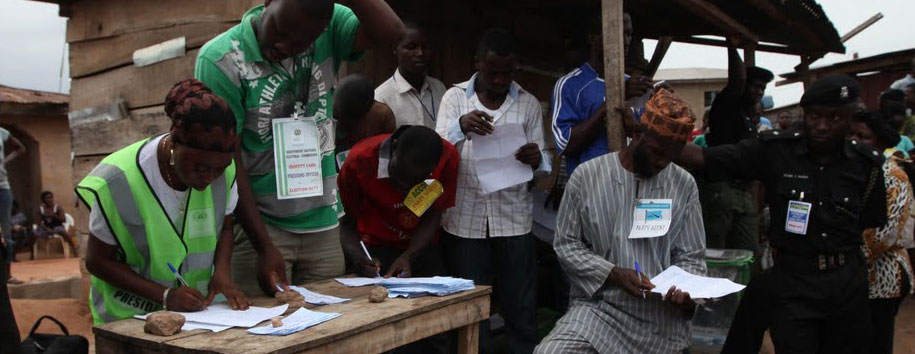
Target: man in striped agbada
607	201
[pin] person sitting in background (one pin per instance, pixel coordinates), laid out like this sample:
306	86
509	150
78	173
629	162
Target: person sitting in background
410	92
23	235
889	268
160	211
51	221
358	115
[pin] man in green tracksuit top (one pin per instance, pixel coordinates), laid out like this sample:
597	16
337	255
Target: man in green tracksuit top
280	62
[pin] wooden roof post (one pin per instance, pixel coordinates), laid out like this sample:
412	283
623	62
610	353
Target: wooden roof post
749	54
614	69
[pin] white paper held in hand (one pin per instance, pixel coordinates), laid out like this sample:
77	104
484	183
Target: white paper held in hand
494	158
698	287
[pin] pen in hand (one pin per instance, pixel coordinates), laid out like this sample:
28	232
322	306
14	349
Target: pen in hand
178	275
638	270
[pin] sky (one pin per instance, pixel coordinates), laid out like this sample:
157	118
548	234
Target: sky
32	36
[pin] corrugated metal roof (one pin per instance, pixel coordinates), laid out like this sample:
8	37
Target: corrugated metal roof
23	96
691	74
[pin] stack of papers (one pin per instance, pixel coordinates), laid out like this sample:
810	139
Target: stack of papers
413	287
314	298
297	321
698	287
219	317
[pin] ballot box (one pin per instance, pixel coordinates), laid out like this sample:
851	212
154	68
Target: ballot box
713	318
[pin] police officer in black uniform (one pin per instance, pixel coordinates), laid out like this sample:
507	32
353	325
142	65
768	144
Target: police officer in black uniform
823	191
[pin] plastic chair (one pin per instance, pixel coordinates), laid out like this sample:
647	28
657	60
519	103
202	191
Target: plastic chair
69	223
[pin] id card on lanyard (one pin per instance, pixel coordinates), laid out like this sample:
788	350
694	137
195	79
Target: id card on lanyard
297	157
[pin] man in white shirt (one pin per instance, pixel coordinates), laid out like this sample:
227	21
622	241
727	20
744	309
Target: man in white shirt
487	235
412	95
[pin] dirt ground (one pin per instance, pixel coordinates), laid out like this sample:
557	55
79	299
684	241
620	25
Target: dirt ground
43	269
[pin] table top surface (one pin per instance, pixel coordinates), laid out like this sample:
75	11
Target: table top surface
358	315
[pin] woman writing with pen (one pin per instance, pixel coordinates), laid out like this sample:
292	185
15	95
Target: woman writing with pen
160	214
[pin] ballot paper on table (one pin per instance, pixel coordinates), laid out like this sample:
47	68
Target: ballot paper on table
413	287
314	298
698	287
494	158
223	315
297	321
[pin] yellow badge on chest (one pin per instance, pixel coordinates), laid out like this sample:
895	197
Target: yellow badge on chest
422	195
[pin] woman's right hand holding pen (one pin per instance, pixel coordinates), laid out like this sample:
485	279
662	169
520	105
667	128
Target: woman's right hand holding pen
185	299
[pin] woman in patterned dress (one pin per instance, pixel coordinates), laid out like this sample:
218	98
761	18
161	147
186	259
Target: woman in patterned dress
889	270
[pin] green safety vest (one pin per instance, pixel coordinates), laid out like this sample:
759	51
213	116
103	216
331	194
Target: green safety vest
146	237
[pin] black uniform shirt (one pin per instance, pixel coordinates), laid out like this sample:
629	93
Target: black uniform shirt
730	119
840	210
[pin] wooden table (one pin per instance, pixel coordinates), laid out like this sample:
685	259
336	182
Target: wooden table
363	328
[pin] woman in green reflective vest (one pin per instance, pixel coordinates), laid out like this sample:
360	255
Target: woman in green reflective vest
163	203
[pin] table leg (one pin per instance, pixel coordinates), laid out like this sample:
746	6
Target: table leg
469	339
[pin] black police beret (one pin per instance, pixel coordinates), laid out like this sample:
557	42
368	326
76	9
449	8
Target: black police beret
832	90
755	73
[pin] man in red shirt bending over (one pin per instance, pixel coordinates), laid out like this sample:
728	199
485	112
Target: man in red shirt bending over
395	188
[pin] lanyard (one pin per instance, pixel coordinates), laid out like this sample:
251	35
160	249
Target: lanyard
426	109
419	98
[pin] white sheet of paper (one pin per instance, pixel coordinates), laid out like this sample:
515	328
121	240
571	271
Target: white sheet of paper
297	321
314	298
698	287
651	218
494	158
223	315
356	282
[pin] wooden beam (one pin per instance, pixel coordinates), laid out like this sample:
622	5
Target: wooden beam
33	109
863	26
97	55
706	10
660	51
614	69
106	18
719	43
848	68
138	86
102	138
749	55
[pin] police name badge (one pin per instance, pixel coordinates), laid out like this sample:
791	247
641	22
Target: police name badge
798	217
200	223
297	158
422	195
651	218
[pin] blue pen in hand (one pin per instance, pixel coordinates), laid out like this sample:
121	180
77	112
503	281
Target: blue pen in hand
638	270
170	266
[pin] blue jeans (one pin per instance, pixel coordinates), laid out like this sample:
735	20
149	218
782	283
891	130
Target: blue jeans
6	205
510	264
